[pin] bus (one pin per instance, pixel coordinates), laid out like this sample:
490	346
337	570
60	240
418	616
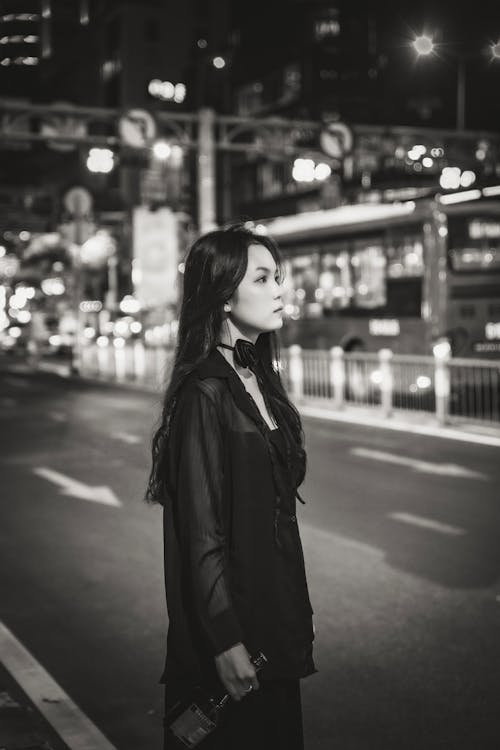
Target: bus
401	276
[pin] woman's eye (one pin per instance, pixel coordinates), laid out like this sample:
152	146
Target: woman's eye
264	278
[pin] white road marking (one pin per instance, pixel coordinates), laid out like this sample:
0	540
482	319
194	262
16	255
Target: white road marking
126	437
72	487
428	523
56	368
69	722
58	416
325	540
8	402
17	382
425	467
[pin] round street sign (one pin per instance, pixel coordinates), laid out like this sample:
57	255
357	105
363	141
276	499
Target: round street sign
78	201
136	128
59	127
336	139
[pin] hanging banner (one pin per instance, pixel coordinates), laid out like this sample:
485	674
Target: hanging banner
156	257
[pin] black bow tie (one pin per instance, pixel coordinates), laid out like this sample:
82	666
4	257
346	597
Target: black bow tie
245	353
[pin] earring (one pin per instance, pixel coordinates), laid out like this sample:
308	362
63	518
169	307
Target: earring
227	308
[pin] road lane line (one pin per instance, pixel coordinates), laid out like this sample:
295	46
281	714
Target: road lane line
425	467
428	523
66	718
126	437
58	416
8	402
328	538
17	382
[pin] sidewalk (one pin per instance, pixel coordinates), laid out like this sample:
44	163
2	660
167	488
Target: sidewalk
22	726
417	422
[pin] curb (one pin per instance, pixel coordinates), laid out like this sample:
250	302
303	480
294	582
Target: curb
22	726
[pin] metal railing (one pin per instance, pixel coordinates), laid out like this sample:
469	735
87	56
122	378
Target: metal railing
450	388
475	389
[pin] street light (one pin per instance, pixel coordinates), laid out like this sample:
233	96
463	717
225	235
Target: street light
495	50
423	45
161	150
100	160
219	62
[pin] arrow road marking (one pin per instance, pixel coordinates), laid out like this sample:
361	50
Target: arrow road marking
127	437
428	523
426	467
58	416
72	487
8	402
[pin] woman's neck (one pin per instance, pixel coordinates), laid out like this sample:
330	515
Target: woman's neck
228	354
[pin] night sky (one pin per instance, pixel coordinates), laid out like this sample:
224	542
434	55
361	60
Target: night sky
465	29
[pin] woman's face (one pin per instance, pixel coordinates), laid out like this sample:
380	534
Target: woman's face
255	303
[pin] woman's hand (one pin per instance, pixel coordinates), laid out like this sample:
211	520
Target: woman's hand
236	671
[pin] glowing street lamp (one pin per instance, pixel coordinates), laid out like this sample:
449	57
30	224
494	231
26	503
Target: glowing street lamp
161	150
100	160
423	45
219	62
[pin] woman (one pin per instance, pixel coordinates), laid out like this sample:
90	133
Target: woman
228	457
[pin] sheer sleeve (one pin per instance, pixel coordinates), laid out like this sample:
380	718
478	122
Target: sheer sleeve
202	539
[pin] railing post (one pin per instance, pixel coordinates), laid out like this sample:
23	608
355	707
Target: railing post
102	356
442	355
337	375
296	372
139	360
159	362
386	381
119	359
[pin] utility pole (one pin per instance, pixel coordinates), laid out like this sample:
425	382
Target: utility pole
461	93
206	171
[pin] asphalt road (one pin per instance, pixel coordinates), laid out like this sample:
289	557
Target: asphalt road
401	541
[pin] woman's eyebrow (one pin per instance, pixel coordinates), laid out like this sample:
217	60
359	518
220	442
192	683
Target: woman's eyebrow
263	268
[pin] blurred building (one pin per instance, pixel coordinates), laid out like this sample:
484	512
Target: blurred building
308	59
136	42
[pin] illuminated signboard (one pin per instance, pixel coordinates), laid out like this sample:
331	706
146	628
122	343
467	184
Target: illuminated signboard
479	229
384	327
326	28
492	331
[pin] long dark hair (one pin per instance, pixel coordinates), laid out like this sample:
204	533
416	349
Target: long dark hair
213	269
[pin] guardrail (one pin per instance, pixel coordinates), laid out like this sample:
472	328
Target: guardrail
449	388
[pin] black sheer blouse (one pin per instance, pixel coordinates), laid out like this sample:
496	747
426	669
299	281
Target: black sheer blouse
234	566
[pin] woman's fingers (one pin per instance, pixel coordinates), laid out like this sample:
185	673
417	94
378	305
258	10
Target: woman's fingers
239	688
237	672
255	683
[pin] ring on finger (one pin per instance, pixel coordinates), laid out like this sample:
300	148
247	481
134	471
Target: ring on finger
249	688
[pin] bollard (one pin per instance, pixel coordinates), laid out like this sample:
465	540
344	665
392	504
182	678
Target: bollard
296	372
442	354
119	360
102	357
337	376
139	361
386	381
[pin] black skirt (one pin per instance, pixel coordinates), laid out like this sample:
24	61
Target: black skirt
269	717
